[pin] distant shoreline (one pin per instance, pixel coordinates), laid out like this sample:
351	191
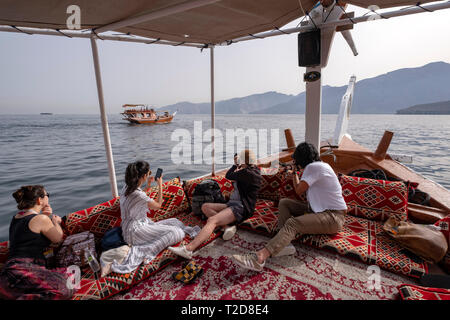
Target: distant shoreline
437	108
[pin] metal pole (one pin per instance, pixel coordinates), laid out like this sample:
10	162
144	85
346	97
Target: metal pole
313	109
106	138
212	110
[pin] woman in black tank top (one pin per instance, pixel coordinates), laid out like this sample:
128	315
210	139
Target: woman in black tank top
31	231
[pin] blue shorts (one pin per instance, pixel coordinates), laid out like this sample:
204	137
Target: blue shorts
238	210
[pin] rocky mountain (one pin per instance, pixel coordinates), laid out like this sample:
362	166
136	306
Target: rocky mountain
385	93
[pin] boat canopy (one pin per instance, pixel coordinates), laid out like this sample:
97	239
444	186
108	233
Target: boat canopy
206	22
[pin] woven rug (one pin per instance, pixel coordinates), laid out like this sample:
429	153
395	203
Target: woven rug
310	274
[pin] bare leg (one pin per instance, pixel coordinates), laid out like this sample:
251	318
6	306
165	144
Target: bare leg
223	218
211	209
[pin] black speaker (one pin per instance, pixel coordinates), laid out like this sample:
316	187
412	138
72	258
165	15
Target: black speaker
309	48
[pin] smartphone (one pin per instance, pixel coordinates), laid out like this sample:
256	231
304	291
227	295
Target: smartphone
158	173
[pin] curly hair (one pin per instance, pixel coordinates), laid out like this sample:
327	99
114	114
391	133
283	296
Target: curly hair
133	173
27	196
304	154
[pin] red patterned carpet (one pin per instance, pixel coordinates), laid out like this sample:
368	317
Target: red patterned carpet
310	274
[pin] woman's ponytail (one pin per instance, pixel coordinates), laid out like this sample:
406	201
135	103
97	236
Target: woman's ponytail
134	172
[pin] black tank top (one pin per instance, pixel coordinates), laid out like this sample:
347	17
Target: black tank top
24	243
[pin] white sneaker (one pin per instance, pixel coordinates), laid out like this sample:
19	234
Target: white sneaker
286	251
229	233
249	261
182	252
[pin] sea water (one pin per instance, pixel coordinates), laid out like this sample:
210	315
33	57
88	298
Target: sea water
66	154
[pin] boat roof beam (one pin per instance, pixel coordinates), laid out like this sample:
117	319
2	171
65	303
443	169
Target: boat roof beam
344	21
276	32
154	15
81	34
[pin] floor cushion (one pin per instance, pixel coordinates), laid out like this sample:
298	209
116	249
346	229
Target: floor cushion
288	191
366	240
97	219
360	238
413	292
174	200
102	288
375	199
271	182
264	218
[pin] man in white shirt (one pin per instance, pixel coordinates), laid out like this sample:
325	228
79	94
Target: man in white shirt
324	213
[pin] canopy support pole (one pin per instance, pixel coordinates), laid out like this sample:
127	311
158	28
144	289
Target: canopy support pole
313	109
314	86
101	101
213	173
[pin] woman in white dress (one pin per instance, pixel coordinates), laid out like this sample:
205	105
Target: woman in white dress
146	237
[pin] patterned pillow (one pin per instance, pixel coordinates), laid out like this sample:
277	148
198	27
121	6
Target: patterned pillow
288	191
174	200
226	186
97	219
375	199
412	292
271	183
444	224
264	219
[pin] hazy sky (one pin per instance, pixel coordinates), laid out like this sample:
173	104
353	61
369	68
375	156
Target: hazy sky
55	74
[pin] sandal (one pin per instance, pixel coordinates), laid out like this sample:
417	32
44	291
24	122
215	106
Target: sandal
189	273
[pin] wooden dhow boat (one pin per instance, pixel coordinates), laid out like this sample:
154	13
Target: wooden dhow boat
142	114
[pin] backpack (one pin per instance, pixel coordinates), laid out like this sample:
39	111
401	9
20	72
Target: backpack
112	239
73	248
206	191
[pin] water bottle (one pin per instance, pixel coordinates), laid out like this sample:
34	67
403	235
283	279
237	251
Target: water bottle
93	263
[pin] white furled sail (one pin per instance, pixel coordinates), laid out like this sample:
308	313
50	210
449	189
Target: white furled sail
344	112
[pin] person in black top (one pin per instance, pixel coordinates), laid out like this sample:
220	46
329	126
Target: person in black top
246	177
31	231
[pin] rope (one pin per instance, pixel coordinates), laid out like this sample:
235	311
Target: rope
93	31
343	10
154	41
256	37
418	4
179	44
63	33
425	9
307	13
330	12
21	30
281	30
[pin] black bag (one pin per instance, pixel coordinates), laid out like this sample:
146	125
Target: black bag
113	239
206	191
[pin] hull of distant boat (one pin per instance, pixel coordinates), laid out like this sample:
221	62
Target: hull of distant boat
149	121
